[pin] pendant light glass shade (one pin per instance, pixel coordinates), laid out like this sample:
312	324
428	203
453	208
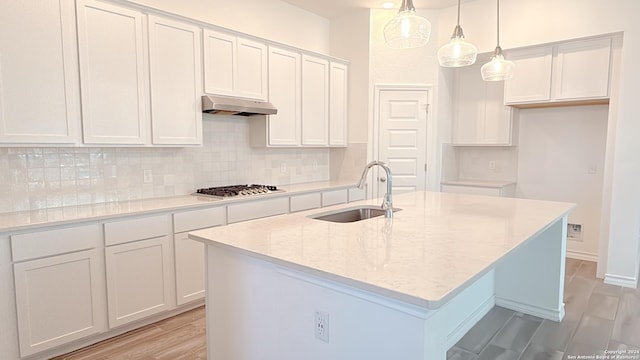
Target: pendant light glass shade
457	52
498	68
407	30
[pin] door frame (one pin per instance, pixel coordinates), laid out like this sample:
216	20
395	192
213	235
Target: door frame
433	168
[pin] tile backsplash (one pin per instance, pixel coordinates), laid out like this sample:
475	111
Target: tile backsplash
46	177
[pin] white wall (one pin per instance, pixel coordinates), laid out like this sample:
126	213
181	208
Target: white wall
270	19
525	23
561	158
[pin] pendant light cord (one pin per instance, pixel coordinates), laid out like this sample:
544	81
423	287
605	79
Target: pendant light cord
458	13
498	22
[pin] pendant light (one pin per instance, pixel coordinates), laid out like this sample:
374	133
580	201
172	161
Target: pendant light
457	52
498	68
408	29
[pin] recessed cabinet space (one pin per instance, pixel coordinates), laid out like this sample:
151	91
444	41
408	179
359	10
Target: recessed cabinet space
576	71
45	64
113	74
176	82
480	118
59	283
234	66
139	264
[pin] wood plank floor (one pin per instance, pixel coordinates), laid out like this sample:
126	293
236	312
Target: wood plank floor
598	317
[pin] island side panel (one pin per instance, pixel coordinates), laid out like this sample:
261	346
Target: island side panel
531	280
257	310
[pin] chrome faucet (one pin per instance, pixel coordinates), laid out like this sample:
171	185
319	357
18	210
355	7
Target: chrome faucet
387	202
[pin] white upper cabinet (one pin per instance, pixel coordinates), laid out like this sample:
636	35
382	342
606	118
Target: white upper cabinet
315	101
338	106
285	94
531	80
569	72
113	74
176	82
582	70
234	66
480	118
39	100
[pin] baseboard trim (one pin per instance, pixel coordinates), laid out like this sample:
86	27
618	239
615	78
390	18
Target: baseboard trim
580	255
544	313
456	334
624	281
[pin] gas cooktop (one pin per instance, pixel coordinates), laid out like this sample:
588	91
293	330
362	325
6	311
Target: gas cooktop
237	190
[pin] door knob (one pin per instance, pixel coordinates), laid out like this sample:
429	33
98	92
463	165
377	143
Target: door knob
383	179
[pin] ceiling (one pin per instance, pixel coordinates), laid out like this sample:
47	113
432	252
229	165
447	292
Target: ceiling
334	8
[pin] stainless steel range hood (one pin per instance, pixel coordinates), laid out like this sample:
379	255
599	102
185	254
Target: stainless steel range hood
222	105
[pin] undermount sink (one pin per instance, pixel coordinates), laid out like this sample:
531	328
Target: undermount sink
351	214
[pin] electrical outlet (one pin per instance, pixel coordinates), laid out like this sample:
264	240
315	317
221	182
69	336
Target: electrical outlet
147	176
283	167
321	326
315	165
492	165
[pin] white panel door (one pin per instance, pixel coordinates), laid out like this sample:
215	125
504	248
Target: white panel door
338	108
113	74
219	62
315	101
582	69
39	85
189	269
176	82
403	139
285	95
138	279
59	299
252	69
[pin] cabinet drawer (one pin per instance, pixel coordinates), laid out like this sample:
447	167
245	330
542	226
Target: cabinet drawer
472	190
356	194
53	242
257	209
199	219
119	232
305	202
334	197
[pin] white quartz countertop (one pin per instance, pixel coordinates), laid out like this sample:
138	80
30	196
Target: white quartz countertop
24	220
480	183
435	245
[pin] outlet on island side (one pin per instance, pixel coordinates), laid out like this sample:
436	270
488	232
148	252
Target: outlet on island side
321	326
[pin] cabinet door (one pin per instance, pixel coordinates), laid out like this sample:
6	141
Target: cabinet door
252	70
338	108
496	127
469	106
315	101
220	63
113	74
59	299
138	279
189	269
531	80
176	83
285	93
582	70
39	85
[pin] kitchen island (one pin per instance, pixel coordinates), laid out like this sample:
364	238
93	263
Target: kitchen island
294	287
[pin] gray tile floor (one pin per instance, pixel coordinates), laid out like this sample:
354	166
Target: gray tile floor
599	317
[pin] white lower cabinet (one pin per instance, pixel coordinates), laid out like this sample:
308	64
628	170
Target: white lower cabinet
138	279
189	254
139	264
59	297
